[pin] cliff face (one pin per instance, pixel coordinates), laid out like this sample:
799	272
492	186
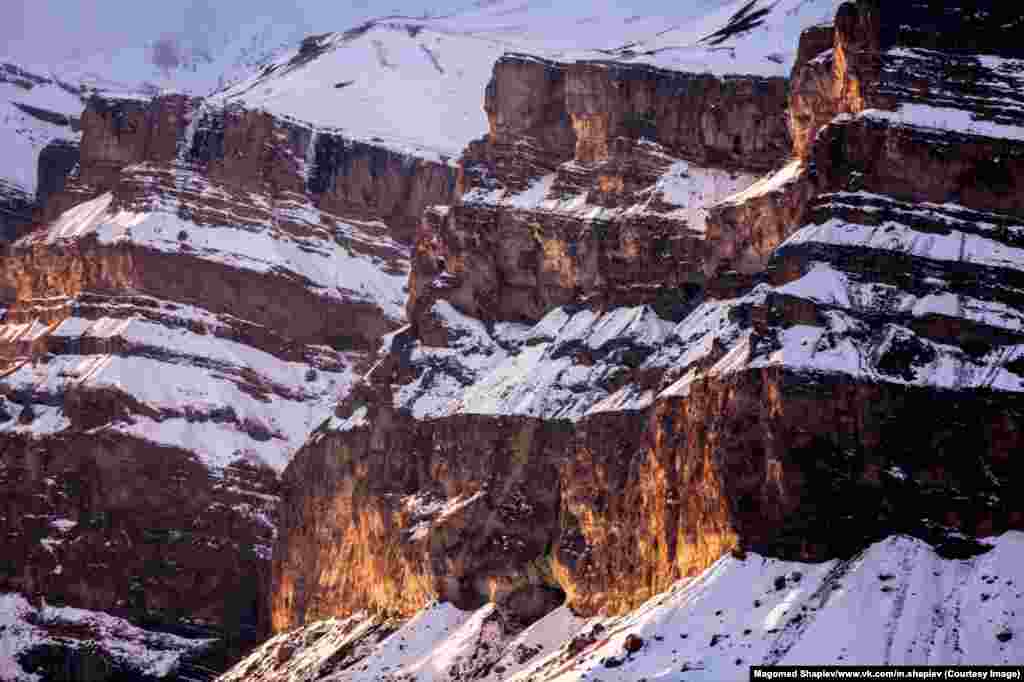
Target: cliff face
680	358
651	358
204	287
257	152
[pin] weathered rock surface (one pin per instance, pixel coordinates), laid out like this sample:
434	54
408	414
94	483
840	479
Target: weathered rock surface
636	378
188	313
870	280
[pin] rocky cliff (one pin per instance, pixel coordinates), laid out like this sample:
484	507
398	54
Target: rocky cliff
190	306
629	357
461	348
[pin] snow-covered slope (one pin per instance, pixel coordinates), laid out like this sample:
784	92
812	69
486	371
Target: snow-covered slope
437	68
29	634
896	603
196	65
178	372
34	111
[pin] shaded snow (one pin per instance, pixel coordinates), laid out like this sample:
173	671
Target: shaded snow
948	119
25	626
23	136
437	67
327	267
896	603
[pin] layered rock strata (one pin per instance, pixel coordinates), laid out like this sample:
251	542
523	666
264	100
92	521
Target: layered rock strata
816	313
206	286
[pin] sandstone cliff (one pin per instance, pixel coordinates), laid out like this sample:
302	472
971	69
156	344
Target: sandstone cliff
195	299
461	347
680	358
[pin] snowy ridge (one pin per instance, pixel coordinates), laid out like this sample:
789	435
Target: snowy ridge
898	603
26	627
773	182
437	67
24	134
195	65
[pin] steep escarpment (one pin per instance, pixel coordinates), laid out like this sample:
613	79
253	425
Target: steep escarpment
694	359
204	288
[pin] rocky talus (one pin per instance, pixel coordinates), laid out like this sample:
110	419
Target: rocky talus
637	367
199	293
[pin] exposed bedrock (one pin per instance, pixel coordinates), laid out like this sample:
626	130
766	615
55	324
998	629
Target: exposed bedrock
732	122
39	271
142	531
199	291
615	508
877	288
257	152
736	122
15	212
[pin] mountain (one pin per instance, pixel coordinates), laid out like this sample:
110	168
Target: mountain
39	134
470	347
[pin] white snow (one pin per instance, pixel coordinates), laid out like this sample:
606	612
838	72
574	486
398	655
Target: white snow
206	60
688	190
518	370
188	390
844	345
185	376
329	268
945	118
773	182
25	626
425	647
824	284
23	136
895	603
438	67
894	236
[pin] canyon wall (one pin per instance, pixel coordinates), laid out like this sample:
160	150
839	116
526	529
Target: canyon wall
682	358
200	288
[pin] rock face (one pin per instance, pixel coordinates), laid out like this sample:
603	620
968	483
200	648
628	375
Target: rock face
205	285
651	357
681	359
